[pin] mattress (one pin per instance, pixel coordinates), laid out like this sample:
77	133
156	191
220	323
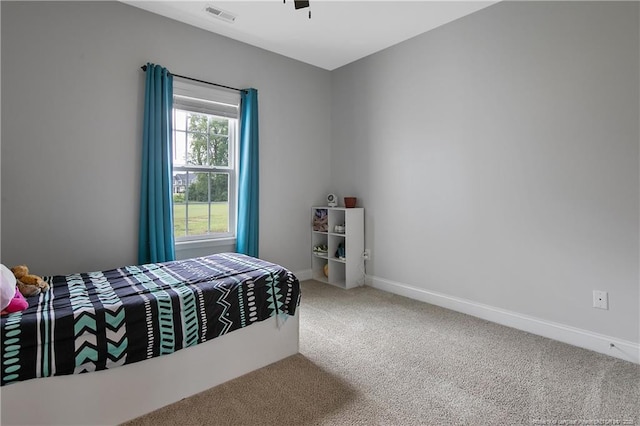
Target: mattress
100	320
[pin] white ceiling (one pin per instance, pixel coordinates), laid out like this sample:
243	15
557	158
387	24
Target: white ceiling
339	32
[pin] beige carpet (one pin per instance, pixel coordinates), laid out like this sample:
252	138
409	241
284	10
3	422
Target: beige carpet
372	358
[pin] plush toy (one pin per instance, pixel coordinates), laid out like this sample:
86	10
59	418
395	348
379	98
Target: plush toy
11	300
28	284
321	220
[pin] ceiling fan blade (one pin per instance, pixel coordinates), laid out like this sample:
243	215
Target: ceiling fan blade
298	4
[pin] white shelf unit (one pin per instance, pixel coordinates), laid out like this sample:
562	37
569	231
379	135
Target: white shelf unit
344	273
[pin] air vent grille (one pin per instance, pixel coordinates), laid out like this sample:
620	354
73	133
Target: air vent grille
220	14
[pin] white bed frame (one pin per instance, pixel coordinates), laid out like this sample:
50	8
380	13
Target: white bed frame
123	393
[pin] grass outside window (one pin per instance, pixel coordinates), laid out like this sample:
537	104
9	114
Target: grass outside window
199	218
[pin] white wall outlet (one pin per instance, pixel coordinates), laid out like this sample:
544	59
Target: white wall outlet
366	254
600	299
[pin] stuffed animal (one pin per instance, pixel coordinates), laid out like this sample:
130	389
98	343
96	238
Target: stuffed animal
11	300
320	220
28	284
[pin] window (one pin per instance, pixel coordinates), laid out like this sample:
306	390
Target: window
205	129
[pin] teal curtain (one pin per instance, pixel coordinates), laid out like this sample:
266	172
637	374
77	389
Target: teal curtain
248	175
156	241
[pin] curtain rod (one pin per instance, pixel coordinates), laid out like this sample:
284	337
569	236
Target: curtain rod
144	68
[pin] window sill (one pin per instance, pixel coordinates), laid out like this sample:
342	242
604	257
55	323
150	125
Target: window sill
198	244
199	248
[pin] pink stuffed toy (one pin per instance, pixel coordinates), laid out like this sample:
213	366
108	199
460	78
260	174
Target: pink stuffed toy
11	300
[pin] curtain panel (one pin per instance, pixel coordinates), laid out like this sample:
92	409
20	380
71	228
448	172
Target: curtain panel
248	175
156	240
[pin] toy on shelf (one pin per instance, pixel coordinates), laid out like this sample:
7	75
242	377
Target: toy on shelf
320	250
321	220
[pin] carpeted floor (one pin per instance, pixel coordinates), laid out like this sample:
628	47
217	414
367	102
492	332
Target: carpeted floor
372	358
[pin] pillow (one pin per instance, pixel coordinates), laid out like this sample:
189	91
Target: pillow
7	286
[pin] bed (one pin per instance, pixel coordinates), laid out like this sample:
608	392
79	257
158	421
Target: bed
149	335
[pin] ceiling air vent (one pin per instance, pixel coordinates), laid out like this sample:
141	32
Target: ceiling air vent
220	14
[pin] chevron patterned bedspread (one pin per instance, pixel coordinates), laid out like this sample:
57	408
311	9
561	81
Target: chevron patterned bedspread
99	320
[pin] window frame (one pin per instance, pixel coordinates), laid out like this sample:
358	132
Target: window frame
199	99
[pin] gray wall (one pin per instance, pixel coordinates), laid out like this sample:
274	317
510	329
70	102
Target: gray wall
72	112
497	159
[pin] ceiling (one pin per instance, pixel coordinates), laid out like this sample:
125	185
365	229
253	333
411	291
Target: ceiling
339	32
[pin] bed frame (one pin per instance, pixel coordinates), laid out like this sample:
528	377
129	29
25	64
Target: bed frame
124	393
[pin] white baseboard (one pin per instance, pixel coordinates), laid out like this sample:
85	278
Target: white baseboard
623	349
307	274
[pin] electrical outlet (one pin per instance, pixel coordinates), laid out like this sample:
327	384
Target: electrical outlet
600	299
366	254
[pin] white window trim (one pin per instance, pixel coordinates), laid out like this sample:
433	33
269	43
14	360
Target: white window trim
207	93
